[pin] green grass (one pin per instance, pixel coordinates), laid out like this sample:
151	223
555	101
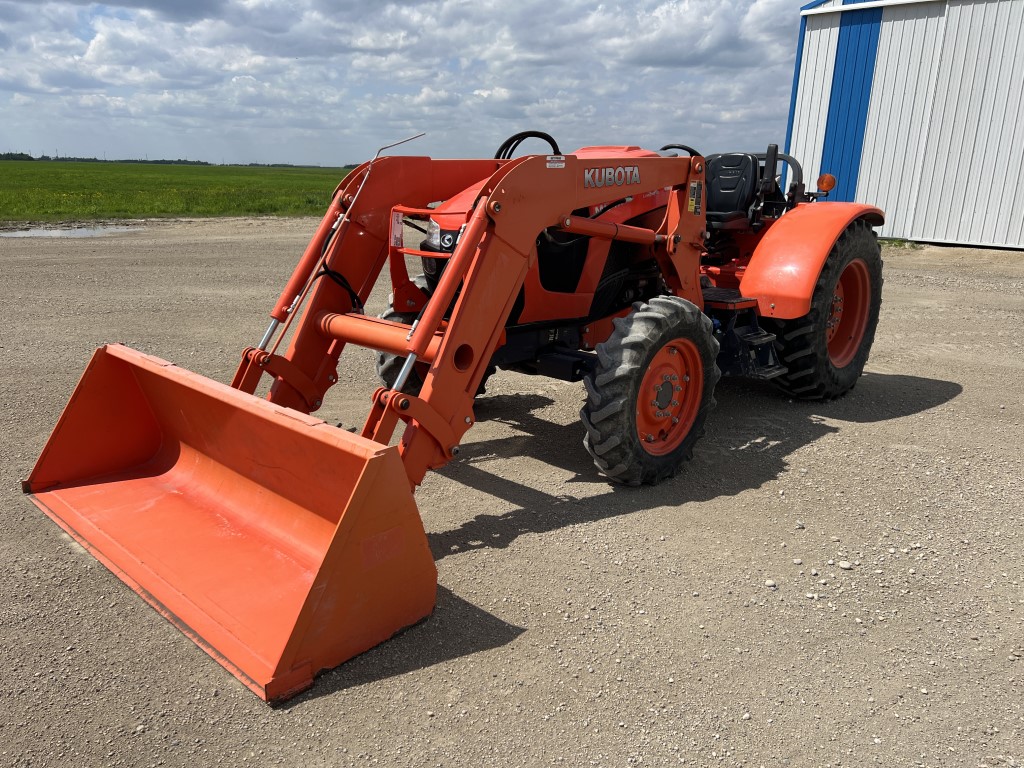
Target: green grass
60	191
894	242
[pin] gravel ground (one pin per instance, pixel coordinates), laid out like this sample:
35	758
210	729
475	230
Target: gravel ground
825	584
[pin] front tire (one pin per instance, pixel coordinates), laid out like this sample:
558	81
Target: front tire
826	349
389	365
650	394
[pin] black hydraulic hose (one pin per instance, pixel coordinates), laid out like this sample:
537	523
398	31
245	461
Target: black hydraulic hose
340	279
337	277
511	144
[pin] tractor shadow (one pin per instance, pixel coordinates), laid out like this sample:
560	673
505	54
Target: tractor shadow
750	435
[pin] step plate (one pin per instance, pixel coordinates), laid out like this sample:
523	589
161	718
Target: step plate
726	298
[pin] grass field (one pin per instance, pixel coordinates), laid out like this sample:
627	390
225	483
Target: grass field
59	191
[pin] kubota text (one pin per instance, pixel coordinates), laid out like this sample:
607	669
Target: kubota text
611	177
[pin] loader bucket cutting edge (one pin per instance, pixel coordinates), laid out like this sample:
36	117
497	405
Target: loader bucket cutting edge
281	545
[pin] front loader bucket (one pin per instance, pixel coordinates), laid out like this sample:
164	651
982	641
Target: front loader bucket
281	545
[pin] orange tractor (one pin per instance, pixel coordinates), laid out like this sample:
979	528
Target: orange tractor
283	545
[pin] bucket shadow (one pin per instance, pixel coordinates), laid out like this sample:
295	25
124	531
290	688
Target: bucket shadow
750	436
456	628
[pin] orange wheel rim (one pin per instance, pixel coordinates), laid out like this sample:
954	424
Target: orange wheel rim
848	316
669	397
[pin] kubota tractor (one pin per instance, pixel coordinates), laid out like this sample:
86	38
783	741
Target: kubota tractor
283	545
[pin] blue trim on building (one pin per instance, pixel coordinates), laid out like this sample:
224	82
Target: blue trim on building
849	99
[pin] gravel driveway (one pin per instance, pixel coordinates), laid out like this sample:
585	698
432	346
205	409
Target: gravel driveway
825	584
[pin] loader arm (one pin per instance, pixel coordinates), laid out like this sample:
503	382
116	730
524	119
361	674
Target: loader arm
352	243
521	198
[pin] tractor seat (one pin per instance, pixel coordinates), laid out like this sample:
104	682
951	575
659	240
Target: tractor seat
732	188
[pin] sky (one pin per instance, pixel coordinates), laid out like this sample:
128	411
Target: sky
327	82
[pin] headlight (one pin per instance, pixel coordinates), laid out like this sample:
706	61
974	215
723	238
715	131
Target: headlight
434	235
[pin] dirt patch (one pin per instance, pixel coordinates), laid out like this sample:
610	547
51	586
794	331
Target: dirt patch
832	583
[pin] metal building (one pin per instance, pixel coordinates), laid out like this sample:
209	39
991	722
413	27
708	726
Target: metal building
916	106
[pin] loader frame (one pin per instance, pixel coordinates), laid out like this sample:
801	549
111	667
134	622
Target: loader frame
484	275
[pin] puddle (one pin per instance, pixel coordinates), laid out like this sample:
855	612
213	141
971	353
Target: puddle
65	232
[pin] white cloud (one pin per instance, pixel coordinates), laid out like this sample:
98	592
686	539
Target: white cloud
327	81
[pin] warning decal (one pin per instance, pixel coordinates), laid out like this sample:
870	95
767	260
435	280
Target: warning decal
693	205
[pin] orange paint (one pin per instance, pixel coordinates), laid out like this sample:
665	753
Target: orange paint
281	545
786	264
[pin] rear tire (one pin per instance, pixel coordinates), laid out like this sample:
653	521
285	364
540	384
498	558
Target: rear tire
651	392
826	349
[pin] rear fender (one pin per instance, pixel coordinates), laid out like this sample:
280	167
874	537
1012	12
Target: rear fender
785	266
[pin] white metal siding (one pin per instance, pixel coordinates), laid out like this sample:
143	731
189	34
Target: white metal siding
909	43
813	91
998	212
974	146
